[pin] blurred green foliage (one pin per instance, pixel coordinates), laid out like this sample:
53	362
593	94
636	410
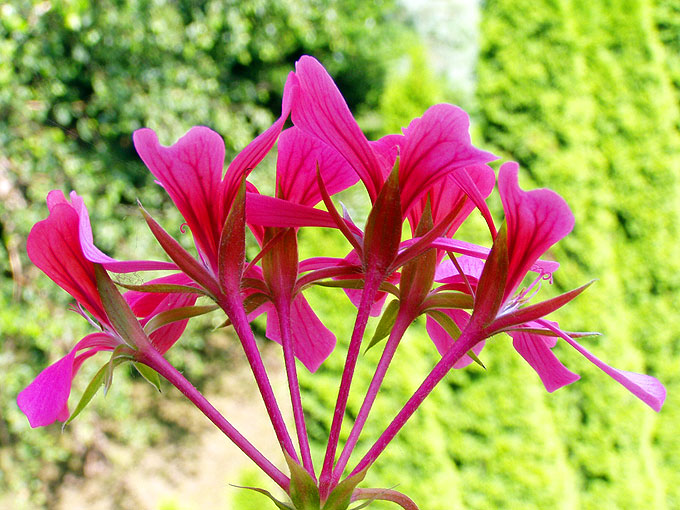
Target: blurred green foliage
76	79
583	94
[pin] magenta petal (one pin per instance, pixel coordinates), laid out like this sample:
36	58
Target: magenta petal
312	341
435	145
275	212
191	173
321	111
94	254
299	155
535	349
443	341
255	151
536	220
45	400
54	246
645	387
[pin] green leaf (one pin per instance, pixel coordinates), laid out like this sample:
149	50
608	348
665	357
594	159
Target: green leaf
118	311
279	504
303	490
384	327
88	394
341	496
149	374
176	314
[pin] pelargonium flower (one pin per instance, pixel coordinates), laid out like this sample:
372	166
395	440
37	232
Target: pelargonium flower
62	247
535	221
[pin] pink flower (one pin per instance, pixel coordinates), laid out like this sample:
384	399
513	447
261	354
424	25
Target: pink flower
61	246
191	173
535	221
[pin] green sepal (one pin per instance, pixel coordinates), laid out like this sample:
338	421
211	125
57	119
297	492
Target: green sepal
176	314
118	311
386	323
447	299
453	331
116	359
88	394
149	374
341	496
163	288
279	504
303	491
357	283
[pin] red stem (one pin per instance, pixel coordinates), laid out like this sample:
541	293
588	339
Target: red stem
401	324
468	338
283	310
233	306
149	356
373	280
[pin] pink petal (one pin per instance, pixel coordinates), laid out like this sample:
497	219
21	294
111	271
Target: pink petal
535	349
321	111
296	174
54	246
149	304
191	173
275	212
91	252
255	151
645	387
446	194
443	342
435	145
45	400
312	341
536	220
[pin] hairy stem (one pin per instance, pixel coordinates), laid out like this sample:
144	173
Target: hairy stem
149	356
283	310
372	284
233	306
401	324
468	338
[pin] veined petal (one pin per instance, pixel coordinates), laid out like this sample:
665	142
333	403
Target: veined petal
443	341
54	246
645	387
255	151
45	400
535	349
536	220
149	304
191	173
299	155
321	111
436	144
312	341
275	212
91	252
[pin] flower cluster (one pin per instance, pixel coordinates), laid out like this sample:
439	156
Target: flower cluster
430	176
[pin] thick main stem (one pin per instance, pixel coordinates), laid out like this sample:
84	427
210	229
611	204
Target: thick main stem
371	285
400	325
234	310
149	356
468	338
283	310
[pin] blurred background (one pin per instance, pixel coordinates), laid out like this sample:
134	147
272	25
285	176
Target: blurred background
583	94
